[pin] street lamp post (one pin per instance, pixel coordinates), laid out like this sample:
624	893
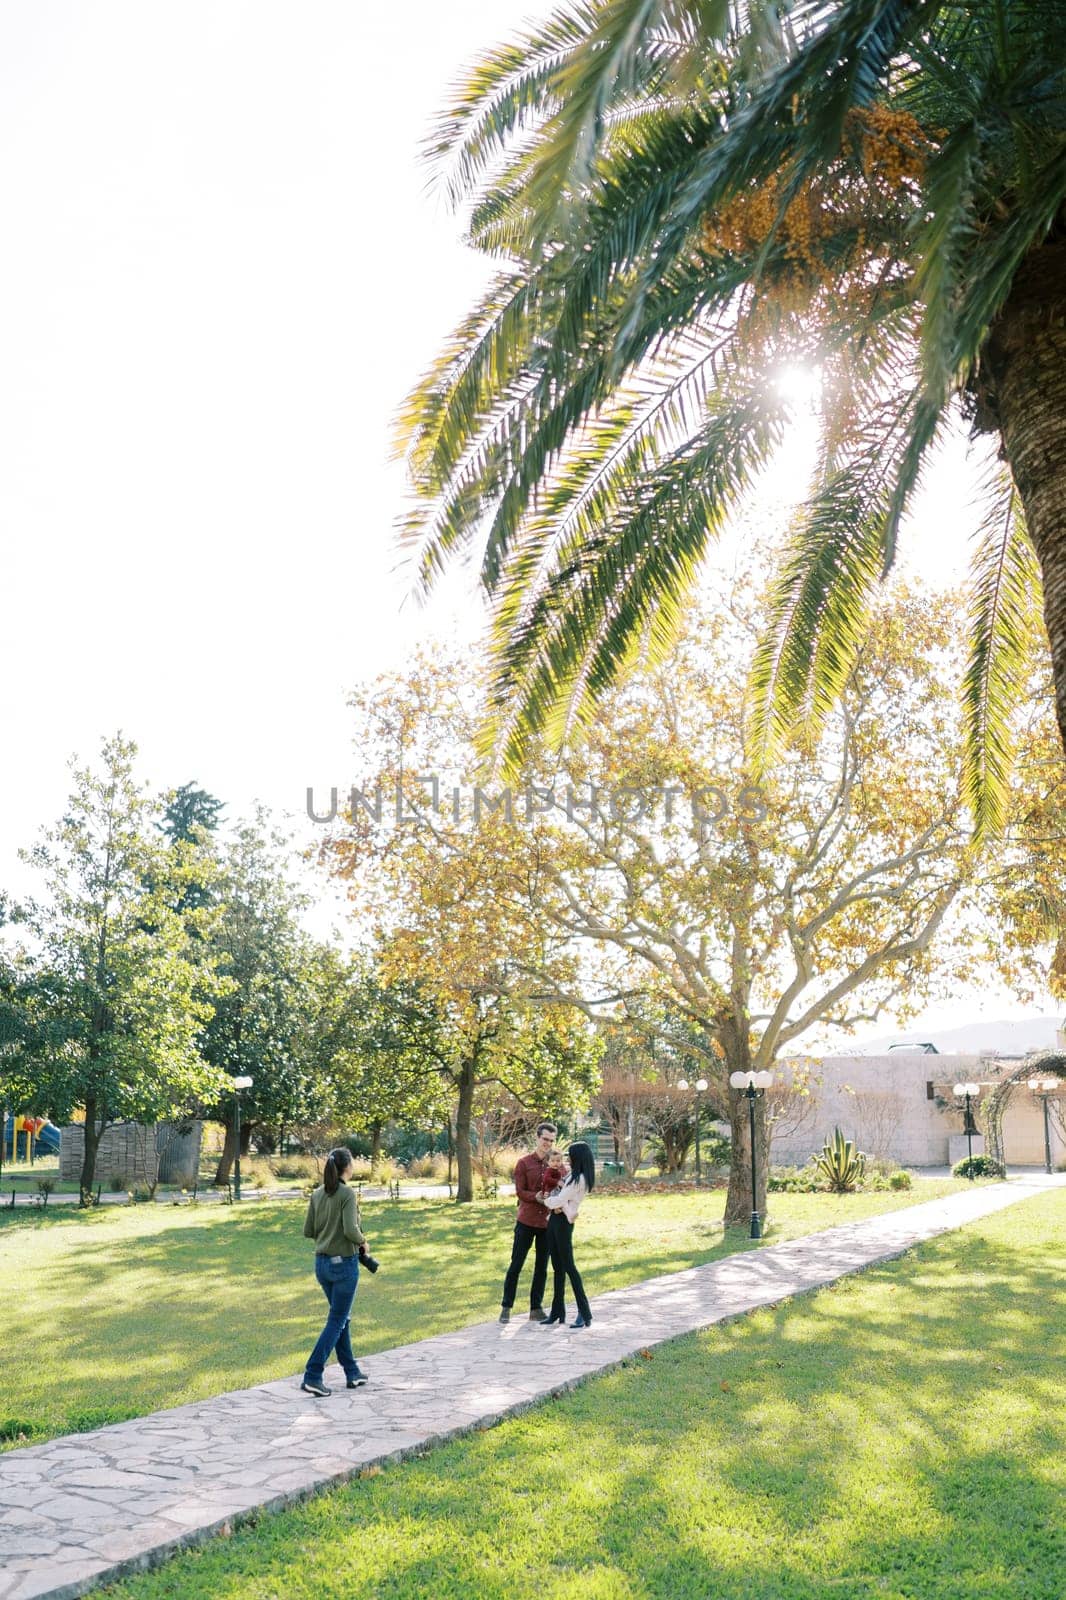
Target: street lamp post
1044	1088
753	1084
238	1085
969	1093
700	1086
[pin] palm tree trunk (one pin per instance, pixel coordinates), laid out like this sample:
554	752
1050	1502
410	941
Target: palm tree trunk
1023	386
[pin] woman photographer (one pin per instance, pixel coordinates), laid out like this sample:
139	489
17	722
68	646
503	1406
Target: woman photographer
564	1203
333	1223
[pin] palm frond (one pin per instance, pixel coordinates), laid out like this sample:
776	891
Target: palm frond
820	601
500	94
604	69
629	583
1004	618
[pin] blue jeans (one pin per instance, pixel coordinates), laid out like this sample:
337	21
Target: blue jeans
339	1282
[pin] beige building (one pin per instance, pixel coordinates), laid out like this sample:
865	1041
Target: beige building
901	1106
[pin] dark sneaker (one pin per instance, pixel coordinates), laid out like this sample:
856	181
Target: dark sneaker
538	1314
357	1379
319	1390
505	1313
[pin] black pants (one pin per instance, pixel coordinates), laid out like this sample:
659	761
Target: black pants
561	1245
524	1236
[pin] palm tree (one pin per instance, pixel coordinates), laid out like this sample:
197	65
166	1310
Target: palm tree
683	195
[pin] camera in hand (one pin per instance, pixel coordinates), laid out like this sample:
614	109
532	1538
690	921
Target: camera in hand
367	1260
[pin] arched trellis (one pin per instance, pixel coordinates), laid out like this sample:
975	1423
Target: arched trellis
994	1105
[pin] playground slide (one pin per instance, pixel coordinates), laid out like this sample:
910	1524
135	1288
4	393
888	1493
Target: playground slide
45	1136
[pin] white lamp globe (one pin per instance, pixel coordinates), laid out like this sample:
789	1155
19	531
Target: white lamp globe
738	1080
763	1080
1034	1085
682	1083
701	1084
960	1089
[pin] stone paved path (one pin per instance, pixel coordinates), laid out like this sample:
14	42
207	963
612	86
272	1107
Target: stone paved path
89	1507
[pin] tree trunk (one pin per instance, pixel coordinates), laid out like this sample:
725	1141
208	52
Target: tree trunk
738	1207
375	1146
464	1113
1022	389
93	1134
229	1150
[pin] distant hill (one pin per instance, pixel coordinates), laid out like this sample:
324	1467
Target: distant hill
1009	1037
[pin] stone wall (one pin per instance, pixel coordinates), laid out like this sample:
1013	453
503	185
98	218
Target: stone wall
134	1153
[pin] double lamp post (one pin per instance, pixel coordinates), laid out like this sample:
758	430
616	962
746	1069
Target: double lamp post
1043	1089
968	1092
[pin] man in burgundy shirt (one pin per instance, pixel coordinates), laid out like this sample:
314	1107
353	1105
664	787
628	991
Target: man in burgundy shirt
530	1228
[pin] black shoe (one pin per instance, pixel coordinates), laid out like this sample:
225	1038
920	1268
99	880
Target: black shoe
538	1314
319	1390
505	1313
357	1380
553	1320
581	1322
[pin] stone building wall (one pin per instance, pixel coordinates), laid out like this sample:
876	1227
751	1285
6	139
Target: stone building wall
899	1106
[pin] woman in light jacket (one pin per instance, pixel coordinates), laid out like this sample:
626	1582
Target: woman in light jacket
333	1223
564	1203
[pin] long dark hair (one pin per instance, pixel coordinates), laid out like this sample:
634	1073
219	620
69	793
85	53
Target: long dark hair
581	1164
337	1163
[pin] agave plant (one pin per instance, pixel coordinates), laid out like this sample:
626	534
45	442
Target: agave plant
841	1164
686	194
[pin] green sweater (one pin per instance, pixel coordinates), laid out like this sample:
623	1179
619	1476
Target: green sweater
333	1221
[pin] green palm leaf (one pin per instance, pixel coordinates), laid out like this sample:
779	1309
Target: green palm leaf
1004	621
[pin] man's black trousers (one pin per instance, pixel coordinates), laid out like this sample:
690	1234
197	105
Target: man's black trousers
524	1236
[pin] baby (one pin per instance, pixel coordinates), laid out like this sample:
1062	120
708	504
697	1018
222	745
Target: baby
555	1170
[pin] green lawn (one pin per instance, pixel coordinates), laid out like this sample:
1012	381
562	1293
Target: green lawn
119	1311
901	1436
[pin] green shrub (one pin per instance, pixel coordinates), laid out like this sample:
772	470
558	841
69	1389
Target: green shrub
14	1429
116	1183
841	1164
715	1150
900	1179
795	1180
978	1167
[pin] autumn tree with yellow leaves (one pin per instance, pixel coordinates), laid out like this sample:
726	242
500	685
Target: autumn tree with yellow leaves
650	871
449	904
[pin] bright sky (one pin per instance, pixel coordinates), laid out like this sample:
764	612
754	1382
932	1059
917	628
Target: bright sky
222	273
